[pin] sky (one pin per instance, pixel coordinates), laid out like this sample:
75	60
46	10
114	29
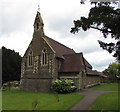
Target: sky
16	27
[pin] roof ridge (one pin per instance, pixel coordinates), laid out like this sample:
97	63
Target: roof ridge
59	43
73	54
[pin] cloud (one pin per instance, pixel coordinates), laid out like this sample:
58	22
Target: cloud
16	27
15	16
61	16
18	44
80	43
100	60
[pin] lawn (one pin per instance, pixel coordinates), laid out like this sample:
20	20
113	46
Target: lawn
107	87
18	100
0	101
107	101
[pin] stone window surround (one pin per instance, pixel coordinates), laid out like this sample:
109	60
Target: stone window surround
30	59
44	60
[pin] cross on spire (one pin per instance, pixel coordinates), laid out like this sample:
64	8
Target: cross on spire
38	8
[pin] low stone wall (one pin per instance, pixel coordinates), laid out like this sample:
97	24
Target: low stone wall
76	81
36	85
72	76
92	81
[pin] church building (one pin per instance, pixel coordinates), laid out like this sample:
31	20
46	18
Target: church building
46	60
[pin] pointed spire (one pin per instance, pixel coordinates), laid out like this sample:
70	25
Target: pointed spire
38	23
38	12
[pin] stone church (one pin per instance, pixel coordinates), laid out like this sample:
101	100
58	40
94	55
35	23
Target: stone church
46	59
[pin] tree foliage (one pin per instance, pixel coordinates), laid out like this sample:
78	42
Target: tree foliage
106	19
113	71
11	65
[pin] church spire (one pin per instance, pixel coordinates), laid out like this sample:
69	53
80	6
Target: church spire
38	23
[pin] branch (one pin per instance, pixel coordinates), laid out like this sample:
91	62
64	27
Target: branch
101	29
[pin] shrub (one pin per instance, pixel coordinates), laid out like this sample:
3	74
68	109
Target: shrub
63	86
11	84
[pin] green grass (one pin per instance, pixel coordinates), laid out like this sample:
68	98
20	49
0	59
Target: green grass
107	87
17	100
107	101
0	100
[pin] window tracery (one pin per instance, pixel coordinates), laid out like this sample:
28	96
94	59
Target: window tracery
44	57
30	59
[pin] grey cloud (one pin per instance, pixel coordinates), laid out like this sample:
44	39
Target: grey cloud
88	46
13	23
101	64
63	24
14	18
87	49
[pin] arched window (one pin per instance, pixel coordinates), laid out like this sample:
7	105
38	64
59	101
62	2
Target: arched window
30	59
44	57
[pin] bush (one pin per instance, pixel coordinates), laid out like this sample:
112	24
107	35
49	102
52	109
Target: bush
11	84
63	86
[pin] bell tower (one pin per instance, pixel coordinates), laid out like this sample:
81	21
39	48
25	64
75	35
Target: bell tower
38	23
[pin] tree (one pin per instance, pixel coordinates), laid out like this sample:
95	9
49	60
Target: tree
112	71
11	65
106	19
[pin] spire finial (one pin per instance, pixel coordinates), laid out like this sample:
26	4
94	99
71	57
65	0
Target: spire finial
38	8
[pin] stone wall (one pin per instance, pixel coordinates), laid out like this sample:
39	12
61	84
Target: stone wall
92	80
36	85
72	76
38	77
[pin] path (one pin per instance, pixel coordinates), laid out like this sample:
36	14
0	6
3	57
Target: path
87	101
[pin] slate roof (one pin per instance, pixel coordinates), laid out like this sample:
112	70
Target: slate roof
59	48
103	75
87	64
91	72
72	62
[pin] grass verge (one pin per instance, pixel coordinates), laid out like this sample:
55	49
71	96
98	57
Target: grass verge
107	101
107	87
18	100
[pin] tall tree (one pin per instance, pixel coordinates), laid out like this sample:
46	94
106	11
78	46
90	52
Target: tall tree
11	65
106	19
112	71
